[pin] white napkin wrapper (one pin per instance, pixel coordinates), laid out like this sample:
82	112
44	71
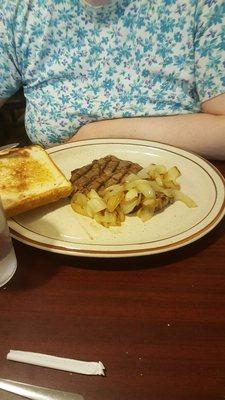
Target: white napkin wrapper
64	364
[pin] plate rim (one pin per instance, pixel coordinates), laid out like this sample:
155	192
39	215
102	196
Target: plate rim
130	252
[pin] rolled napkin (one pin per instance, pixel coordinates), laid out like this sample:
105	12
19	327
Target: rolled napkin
64	364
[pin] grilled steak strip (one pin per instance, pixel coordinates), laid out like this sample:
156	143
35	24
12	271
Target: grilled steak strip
95	171
102	173
100	180
81	172
124	169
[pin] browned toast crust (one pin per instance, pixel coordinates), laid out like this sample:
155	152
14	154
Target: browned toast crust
42	199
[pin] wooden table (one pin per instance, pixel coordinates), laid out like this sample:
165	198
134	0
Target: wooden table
157	323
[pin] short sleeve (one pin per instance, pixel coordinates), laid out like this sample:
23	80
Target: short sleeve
210	49
10	78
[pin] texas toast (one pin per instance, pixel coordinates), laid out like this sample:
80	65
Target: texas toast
29	179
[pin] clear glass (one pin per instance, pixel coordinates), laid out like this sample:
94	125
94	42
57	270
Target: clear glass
8	262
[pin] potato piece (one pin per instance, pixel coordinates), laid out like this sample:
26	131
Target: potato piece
96	205
156	170
151	203
111	191
170	178
145	213
172	174
99	218
121	215
130	185
160	189
160	169
145	188
159	180
93	195
131	194
79	209
128	206
131	178
171	185
79	198
114	201
109	219
142	186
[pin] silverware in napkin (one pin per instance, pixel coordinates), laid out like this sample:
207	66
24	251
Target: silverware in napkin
36	392
8	146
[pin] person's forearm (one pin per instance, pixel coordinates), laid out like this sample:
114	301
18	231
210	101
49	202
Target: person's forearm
201	133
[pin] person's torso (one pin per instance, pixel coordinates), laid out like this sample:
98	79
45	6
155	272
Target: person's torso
80	63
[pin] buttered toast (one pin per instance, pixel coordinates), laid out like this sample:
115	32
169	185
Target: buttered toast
29	179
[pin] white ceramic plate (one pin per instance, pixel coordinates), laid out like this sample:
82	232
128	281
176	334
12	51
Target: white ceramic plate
58	229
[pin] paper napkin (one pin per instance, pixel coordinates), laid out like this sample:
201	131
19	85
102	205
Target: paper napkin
65	364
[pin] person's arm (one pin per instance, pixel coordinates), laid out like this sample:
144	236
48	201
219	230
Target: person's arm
203	133
10	76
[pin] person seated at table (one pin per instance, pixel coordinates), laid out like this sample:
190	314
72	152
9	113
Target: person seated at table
120	69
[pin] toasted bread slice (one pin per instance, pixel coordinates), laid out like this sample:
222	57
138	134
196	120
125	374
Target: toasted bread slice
29	179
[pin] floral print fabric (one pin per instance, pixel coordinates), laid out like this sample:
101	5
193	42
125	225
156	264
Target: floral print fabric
79	63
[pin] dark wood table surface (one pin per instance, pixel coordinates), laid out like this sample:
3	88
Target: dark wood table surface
156	322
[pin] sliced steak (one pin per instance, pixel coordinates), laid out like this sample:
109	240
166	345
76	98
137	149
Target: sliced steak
102	173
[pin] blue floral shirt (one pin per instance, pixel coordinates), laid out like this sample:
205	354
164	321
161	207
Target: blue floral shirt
78	63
